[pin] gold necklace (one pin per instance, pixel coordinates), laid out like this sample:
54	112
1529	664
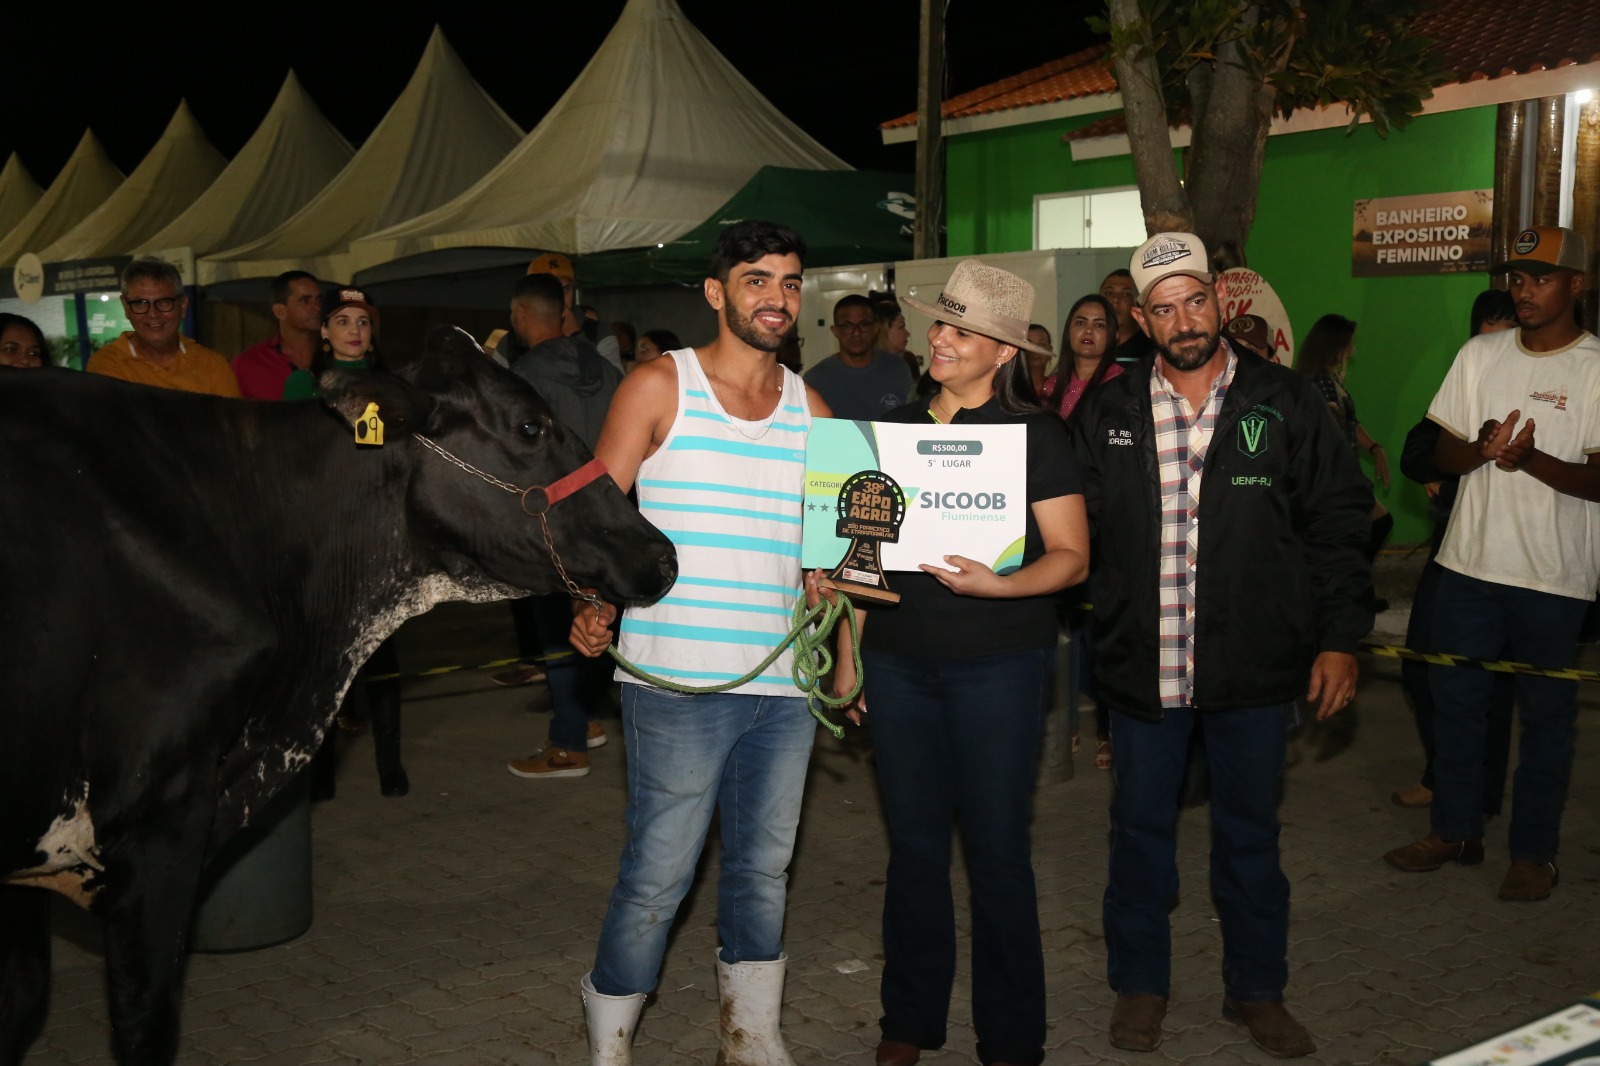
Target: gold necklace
766	425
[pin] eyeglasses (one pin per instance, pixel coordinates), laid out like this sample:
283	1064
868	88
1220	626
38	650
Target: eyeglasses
142	306
14	348
856	327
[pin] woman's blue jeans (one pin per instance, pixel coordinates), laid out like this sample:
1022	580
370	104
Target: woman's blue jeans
742	756
957	741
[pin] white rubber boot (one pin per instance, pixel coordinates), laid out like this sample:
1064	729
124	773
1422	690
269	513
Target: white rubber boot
611	1023
752	998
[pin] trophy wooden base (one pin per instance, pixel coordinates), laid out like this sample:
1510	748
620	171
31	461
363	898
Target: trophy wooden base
859	592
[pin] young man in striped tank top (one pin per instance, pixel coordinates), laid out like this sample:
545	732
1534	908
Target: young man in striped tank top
715	439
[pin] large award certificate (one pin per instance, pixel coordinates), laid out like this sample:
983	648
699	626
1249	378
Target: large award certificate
911	494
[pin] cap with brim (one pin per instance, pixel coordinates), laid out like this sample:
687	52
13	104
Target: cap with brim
1251	331
1543	249
553	263
986	300
335	300
1165	255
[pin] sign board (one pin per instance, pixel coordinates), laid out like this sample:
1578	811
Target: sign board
1241	291
964	490
1569	1037
85	275
28	278
1435	233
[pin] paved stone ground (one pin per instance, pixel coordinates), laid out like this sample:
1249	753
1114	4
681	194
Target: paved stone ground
452	926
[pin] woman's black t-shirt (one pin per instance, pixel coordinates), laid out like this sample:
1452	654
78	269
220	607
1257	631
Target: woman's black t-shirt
933	622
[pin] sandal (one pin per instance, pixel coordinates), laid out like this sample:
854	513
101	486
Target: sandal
1102	755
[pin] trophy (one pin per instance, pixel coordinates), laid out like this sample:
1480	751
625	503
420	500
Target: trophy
872	508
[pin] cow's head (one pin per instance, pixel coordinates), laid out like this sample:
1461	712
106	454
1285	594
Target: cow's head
491	419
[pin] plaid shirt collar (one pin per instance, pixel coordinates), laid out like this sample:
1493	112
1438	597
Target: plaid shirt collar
1183	437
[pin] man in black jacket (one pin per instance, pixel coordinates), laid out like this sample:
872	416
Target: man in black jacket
1231	579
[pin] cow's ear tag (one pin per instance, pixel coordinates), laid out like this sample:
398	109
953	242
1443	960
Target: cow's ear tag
369	427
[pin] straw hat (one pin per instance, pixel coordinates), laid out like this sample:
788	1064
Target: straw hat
986	300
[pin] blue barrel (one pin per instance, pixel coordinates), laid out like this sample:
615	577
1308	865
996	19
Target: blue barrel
256	891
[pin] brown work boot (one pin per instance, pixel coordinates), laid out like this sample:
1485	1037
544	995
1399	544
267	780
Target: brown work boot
1529	882
1272	1029
1412	796
1430	853
1136	1022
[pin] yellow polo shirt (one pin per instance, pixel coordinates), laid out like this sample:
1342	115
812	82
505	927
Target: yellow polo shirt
196	369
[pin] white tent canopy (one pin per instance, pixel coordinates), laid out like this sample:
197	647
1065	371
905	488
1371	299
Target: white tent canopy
18	193
290	158
441	135
85	181
171	176
656	133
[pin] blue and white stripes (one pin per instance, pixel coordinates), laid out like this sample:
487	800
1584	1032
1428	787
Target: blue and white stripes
729	494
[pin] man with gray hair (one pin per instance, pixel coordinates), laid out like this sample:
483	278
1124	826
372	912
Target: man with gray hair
155	352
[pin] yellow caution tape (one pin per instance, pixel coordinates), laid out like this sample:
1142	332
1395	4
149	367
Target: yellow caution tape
1394	651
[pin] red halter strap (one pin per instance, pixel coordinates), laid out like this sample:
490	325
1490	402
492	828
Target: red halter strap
561	488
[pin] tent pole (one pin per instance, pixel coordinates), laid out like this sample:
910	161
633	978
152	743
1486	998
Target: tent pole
930	133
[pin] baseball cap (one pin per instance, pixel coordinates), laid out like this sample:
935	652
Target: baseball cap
553	263
1164	255
1252	331
1542	249
346	296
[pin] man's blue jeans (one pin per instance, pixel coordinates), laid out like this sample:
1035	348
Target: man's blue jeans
1477	619
957	743
740	755
1244	752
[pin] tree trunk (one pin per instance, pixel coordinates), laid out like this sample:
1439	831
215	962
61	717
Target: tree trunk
1161	194
1226	152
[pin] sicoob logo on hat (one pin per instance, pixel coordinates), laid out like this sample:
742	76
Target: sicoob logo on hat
1526	242
1168	251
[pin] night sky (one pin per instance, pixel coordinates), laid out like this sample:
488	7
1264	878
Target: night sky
835	68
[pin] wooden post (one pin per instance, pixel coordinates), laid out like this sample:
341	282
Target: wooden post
1510	148
1586	204
1552	114
927	242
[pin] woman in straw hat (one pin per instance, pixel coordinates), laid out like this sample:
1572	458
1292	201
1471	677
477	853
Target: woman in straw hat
958	677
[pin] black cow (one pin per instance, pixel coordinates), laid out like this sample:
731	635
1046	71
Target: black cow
187	587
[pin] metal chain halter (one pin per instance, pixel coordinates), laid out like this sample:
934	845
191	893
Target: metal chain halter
554	493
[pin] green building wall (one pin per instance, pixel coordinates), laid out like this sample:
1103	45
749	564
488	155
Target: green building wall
1409	327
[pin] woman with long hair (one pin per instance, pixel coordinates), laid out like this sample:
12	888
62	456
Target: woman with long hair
958	679
22	343
349	330
1492	311
1087	338
349	323
893	336
1323	357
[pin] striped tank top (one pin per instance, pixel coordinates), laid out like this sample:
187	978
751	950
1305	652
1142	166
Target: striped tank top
729	494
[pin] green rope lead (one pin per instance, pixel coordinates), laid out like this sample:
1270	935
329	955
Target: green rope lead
812	658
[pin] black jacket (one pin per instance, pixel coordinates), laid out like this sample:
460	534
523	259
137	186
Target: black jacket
1284	516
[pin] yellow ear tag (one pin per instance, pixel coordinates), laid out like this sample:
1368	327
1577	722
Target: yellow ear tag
369	427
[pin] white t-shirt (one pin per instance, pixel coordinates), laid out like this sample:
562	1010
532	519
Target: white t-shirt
1509	527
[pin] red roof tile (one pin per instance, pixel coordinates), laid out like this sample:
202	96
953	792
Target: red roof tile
1477	39
1080	74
